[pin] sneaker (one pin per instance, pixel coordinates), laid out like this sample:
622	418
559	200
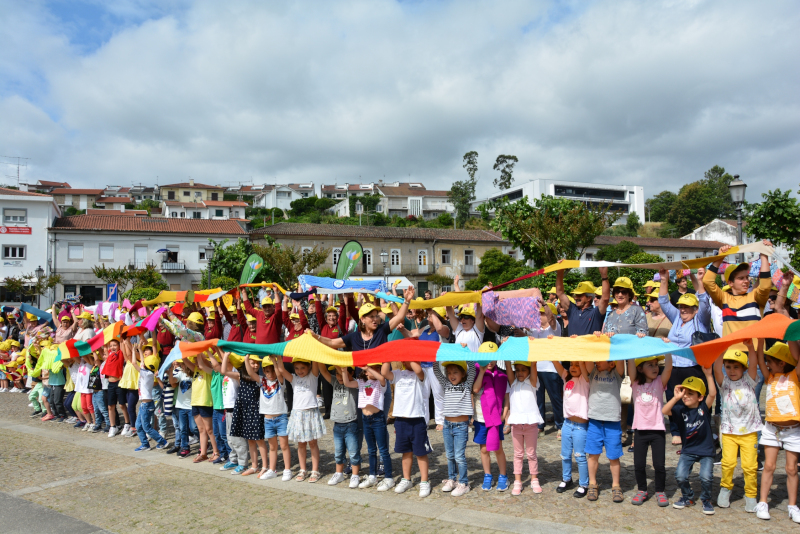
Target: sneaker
268	475
724	498
580	493
682	503
239	470
37	414
335	479
502	483
661	500
762	510
708	508
348	469
30	405
794	513
3	390
718	458
228	466
88	428
424	489
142	448
163	445
517	490
386	484
14	390
760	467
368	482
174	449
381	470
403	486
535	486
750	504
79	424
461	489
448	485
71	420
639	498
287	475
354	481
126	430
97	428
565	485
487	482
184	453
112	432
192	440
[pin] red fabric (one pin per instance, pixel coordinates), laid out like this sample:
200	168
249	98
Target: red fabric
268	329
114	363
164	338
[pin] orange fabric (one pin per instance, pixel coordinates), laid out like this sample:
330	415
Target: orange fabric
193	349
773	326
783	398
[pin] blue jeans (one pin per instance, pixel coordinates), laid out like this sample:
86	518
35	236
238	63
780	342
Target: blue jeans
684	469
554	386
100	408
220	433
455	446
377	438
184	422
144	424
347	436
573	443
158	402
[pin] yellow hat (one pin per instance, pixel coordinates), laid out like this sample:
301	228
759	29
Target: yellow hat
367	308
152	362
249	318
614	301
552	291
374	364
331	309
294	316
266	362
196	317
726	287
572	300
624	282
466	311
522	362
734	267
289	305
266	300
773	288
421	299
85	315
688	299
463	365
212	314
487	346
599	291
649	283
780	351
231	309
387	309
441	311
301	360
14	343
695	384
333	367
653	295
638	361
255	357
549	305
584	288
736	356
31	317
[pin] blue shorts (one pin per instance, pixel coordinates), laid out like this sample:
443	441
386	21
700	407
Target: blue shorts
481	432
411	435
276	426
606	434
206	412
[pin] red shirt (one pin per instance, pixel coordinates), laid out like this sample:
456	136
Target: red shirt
294	334
268	329
164	337
213	328
236	333
325	329
114	363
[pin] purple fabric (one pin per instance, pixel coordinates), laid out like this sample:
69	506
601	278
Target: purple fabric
495	383
522	312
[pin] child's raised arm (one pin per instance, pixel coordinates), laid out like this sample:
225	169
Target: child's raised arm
719	376
346	380
761	361
632	370
712	387
323	370
203	364
560	370
534	375
417	368
620	366
252	374
282	370
678	395
667	372
584	370
510	372
315	369
476	387
375	375
386	372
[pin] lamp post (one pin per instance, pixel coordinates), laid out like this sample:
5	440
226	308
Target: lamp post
209	253
737	189
39	276
384	261
359	210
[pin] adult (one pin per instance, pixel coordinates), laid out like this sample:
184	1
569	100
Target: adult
66	325
658	325
428	294
296	322
552	296
549	380
268	323
584	319
683	288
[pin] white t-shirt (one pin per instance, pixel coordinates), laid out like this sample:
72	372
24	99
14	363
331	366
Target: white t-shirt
146	377
740	413
370	392
80	377
546	367
305	391
473	337
410	395
522	401
271	400
230	389
183	391
84	334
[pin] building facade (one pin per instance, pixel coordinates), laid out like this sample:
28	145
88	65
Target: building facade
209	209
191	192
80	199
282	196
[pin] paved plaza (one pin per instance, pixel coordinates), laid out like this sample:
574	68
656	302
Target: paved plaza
90	483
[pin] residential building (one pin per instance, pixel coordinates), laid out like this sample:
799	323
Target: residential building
725	231
113	203
121	212
26	216
116	191
207	209
177	247
624	199
191	192
412	253
406	199
242	190
282	196
347	190
668	249
141	192
43	186
80	199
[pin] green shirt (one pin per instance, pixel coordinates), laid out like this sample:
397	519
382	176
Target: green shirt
216	390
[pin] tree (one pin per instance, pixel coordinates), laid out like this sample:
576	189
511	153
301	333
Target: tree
303	206
445	220
504	164
471	164
324	204
701	202
369	202
659	206
496	268
551	228
619	252
633	224
229	261
286	263
462	192
147	277
777	218
718	182
149	205
439	280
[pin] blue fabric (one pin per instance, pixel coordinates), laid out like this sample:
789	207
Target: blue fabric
455	447
573	443
685	464
377	438
348	437
41	314
276	426
601	434
333	285
174	354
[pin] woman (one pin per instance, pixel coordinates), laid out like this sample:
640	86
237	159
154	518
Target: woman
691	315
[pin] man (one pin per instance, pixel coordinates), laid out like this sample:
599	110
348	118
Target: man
683	288
583	318
269	324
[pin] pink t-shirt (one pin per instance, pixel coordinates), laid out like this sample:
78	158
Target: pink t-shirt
648	399
370	392
576	398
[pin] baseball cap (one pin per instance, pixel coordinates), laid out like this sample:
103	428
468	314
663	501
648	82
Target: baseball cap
688	299
736	356
695	384
584	287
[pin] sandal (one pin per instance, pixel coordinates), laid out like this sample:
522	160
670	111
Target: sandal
535	486
263	470
248	472
213	457
200	458
301	476
616	494
314	476
592	493
639	498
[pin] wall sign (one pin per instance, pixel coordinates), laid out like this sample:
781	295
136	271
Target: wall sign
15	230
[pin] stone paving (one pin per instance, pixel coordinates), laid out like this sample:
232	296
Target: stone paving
126	492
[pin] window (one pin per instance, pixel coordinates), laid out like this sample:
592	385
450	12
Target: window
379	208
698	256
589	256
366	261
75	252
198	194
283	194
236	214
336	253
513	254
15	216
422	258
214	196
13	252
174	214
305	195
170	195
395	256
684	257
446	256
218	213
70	290
183	214
195	215
187	194
469	257
445	289
106	252
202	255
670	257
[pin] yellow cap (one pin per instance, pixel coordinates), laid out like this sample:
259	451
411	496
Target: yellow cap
289	305
374	364
152	362
734	267
294	316
522	362
624	282
441	311
266	300
249	318
333	367
736	356
255	357
331	309
649	283
419	299
466	311
653	295
726	287
487	346
266	362
552	291
301	360
688	299
463	365
584	288
638	361
549	305
85	315
572	300
780	351
231	309
695	384
196	317
14	343
212	314
367	308
599	291
614	301
387	309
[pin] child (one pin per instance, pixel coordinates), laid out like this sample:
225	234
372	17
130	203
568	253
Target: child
782	427
605	379
218	417
411	423
272	405
694	422
239	452
741	421
491	409
202	406
306	425
524	419
82	389
182	382
348	431
648	423
371	389
148	363
247	422
457	411
576	425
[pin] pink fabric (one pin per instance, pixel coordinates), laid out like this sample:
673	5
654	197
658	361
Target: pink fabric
520	312
127	304
524	438
495	383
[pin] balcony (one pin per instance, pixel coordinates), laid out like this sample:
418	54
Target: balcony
469	269
172	267
422	269
139	264
396	269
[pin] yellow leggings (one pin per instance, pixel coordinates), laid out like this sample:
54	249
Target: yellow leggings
746	447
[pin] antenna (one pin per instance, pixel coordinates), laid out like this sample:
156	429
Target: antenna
18	164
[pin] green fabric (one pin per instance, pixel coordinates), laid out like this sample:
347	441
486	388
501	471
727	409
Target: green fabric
793	332
216	391
273	349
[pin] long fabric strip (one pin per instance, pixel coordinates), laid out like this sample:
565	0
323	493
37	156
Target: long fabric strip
334	286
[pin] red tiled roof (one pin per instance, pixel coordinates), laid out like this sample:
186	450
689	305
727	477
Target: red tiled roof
376	232
405	190
186	185
225	203
71	191
17	192
659	242
147	224
126	213
308	187
103	200
53	184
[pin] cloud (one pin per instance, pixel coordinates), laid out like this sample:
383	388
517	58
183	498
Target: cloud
645	94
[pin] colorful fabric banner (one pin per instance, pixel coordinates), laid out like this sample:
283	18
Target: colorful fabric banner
252	267
73	349
174	354
110	332
451	298
337	286
349	258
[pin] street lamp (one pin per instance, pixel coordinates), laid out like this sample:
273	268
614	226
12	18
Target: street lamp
39	275
359	210
737	189
384	261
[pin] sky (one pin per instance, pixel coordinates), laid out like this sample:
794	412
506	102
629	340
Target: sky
650	93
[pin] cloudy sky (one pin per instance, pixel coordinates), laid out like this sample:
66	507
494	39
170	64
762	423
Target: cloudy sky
641	93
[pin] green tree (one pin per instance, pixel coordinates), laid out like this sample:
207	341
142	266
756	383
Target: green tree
287	263
504	164
659	206
619	252
496	268
701	202
369	202
439	280
303	206
633	224
229	261
150	205
777	218
551	228
462	192
323	204
718	182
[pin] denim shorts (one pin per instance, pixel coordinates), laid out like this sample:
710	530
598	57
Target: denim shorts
206	412
481	432
276	426
606	434
411	435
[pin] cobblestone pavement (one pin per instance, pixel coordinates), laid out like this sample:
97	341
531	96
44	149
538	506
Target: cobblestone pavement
126	492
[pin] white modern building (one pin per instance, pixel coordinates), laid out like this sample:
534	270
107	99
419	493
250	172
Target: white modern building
23	238
282	196
624	199
177	247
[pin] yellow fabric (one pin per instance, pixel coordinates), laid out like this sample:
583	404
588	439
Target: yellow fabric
69	385
451	298
745	446
785	386
130	377
201	389
307	348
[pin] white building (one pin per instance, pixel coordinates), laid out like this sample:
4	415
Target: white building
673	249
725	231
23	237
623	198
219	210
81	242
282	196
113	203
399	198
